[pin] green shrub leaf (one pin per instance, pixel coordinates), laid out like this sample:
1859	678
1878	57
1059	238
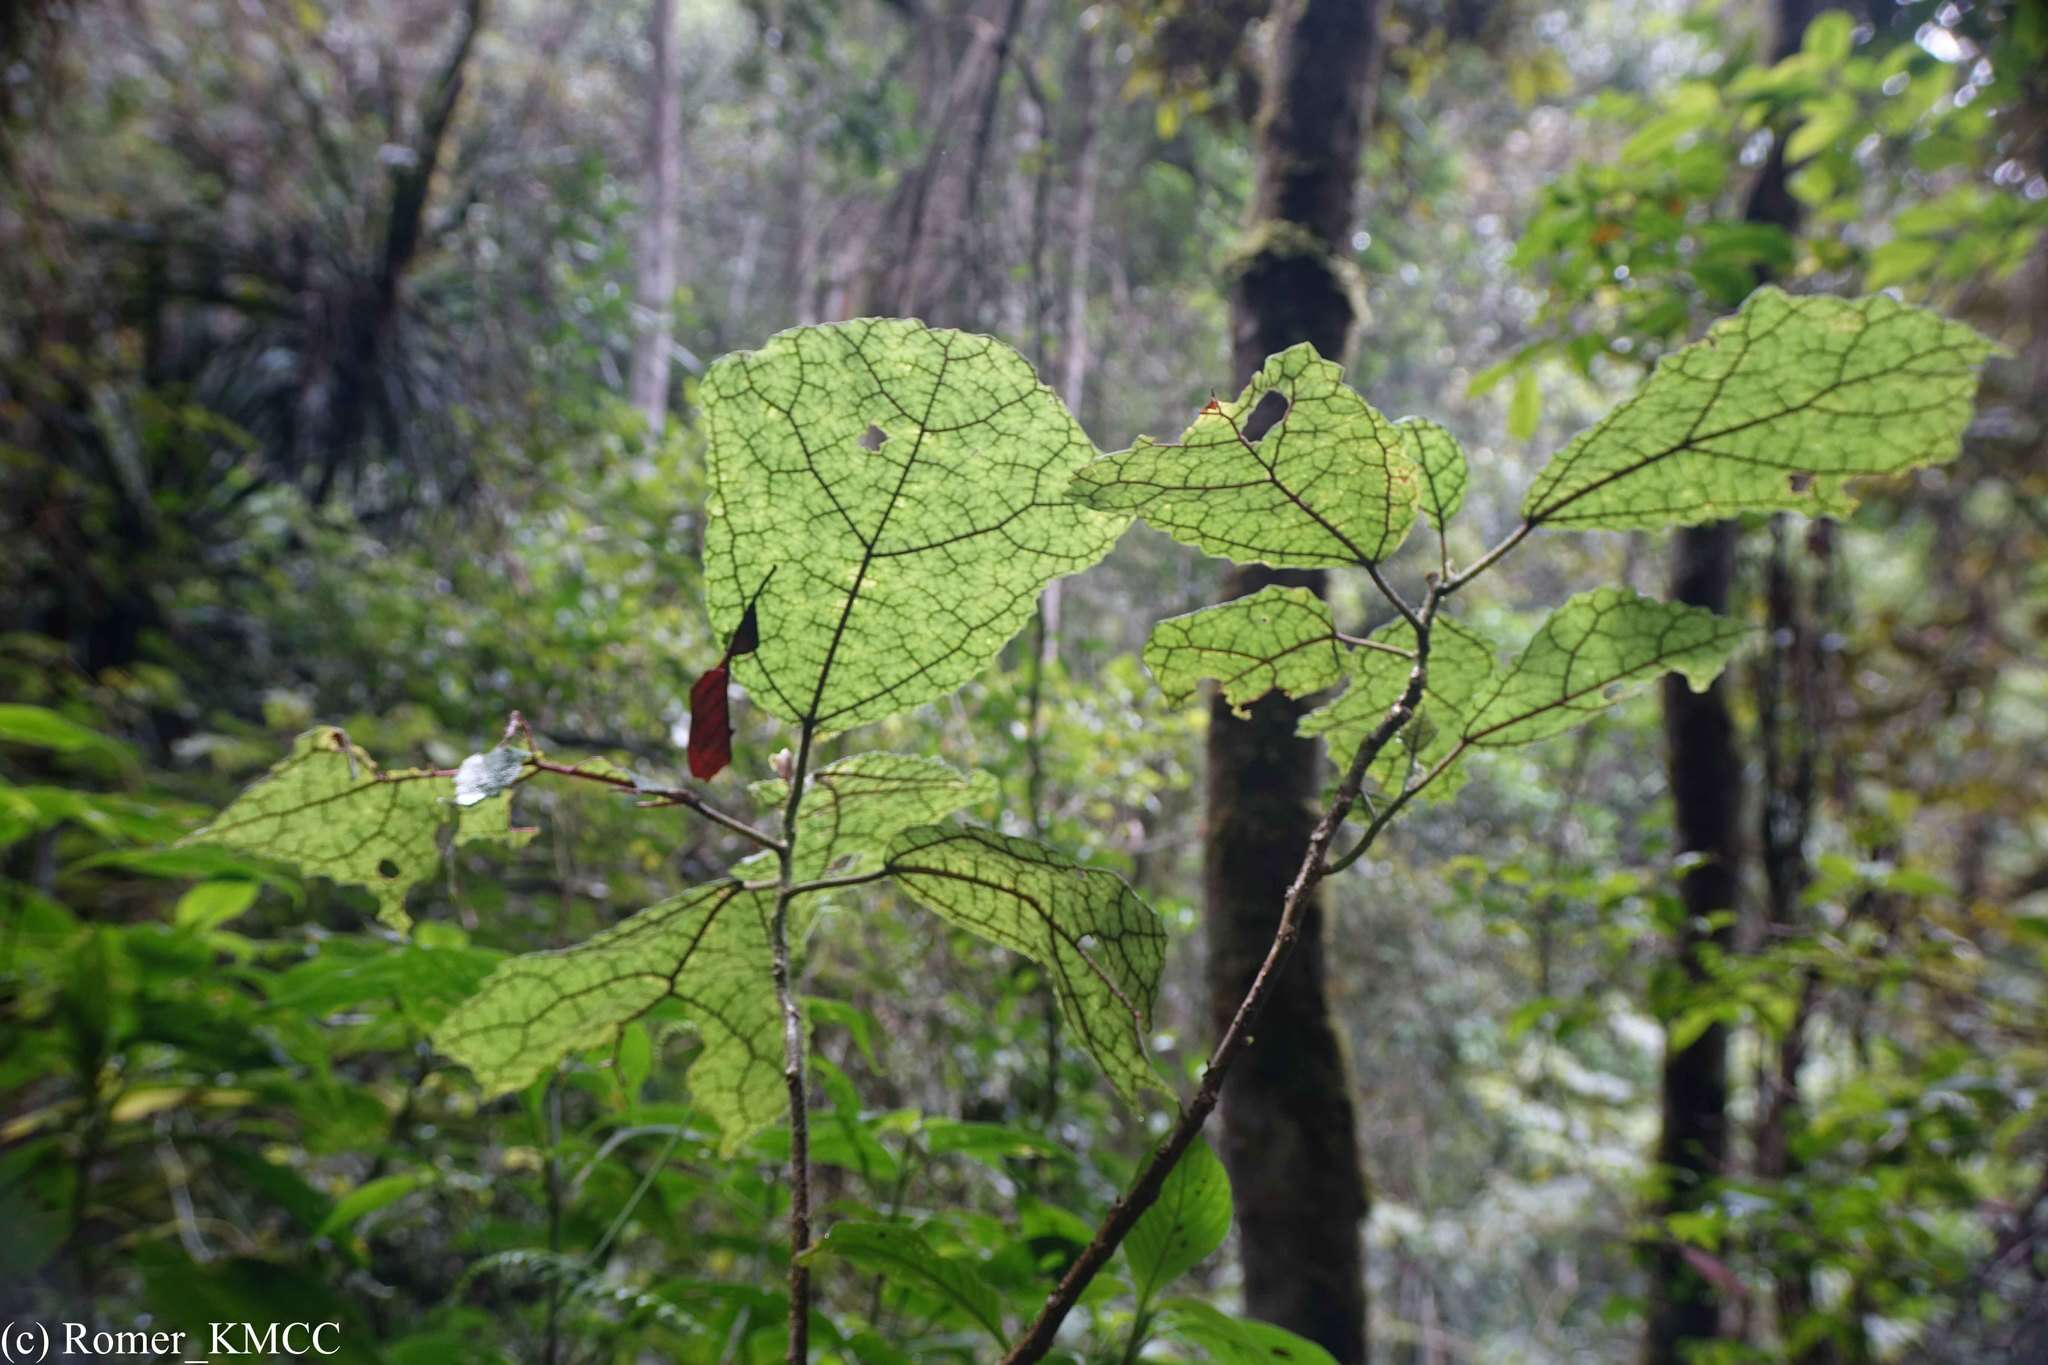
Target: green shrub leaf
1185	1224
1328	484
897	495
1590	653
1461	668
708	949
1775	409
329	810
1100	945
854	807
1441	462
1276	639
904	1256
1225	1340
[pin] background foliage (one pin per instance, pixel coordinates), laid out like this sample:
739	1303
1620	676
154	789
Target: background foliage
313	327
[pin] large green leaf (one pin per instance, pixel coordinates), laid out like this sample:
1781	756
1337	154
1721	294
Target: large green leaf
904	1257
329	810
1591	652
1185	1224
1224	1340
1275	639
854	807
1101	946
1328	484
897	495
1461	667
708	948
1441	462
1776	408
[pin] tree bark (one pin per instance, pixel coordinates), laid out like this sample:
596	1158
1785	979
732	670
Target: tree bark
655	285
1287	1130
1705	767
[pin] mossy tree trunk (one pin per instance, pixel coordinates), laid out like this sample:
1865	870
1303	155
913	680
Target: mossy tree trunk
1288	1133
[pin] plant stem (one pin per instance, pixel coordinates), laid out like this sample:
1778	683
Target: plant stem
667	796
1037	1339
793	1064
552	1347
1487	560
1141	1322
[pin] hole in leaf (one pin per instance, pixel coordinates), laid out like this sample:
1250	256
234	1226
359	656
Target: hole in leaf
387	869
873	437
1270	412
1800	482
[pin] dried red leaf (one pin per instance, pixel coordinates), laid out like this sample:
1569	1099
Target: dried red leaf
710	724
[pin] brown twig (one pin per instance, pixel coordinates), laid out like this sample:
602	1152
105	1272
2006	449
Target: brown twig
662	796
1123	1215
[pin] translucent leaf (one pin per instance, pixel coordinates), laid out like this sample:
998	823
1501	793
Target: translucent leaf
907	489
1185	1224
329	810
708	949
1225	1340
1461	667
1776	408
1100	945
1328	484
1276	639
1441	462
490	822
856	806
904	1257
1588	654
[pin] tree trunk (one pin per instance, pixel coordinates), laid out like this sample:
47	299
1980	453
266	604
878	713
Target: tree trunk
1706	792
1287	1132
655	285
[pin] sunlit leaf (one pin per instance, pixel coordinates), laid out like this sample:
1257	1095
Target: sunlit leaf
1525	406
1591	652
906	488
1329	483
367	1198
708	949
329	810
1101	946
1276	639
1776	408
854	807
209	905
1441	462
1461	667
